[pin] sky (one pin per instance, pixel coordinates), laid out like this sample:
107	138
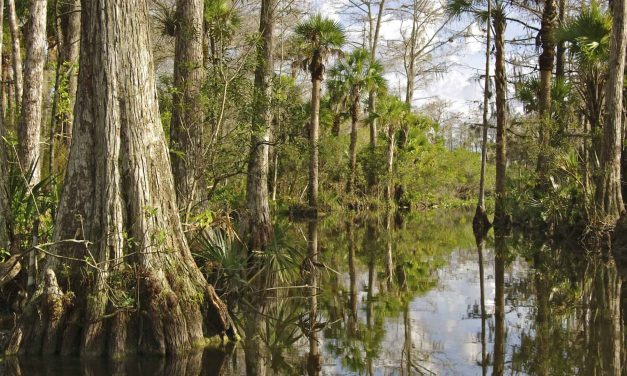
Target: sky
460	85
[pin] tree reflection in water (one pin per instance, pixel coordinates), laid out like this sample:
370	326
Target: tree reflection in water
208	362
500	250
480	240
314	361
376	298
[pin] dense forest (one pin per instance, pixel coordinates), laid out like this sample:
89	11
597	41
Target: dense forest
161	162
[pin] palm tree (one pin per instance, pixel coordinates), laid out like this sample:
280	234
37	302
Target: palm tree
393	114
360	73
319	38
338	102
588	35
546	63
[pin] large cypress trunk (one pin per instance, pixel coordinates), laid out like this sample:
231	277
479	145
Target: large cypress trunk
124	280
258	226
70	24
29	129
186	129
546	63
609	200
501	115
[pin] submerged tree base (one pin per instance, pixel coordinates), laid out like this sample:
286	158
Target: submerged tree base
165	321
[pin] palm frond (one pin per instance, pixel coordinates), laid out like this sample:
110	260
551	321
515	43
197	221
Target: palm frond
321	32
589	35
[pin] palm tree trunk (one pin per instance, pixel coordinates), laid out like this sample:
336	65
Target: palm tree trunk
337	122
609	200
355	110
546	63
17	55
501	116
186	129
561	48
314	135
259	225
372	103
118	187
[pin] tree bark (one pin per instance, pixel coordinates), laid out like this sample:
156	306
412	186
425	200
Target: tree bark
5	210
410	70
501	116
337	124
372	94
546	63
258	229
70	23
561	48
410	61
314	135
16	54
608	197
389	189
355	111
480	220
29	129
124	280
186	129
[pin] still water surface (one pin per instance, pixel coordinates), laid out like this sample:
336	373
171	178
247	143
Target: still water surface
402	295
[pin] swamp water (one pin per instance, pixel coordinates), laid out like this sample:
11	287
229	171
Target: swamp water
404	295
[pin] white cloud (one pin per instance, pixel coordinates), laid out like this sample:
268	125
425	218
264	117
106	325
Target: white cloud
459	86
